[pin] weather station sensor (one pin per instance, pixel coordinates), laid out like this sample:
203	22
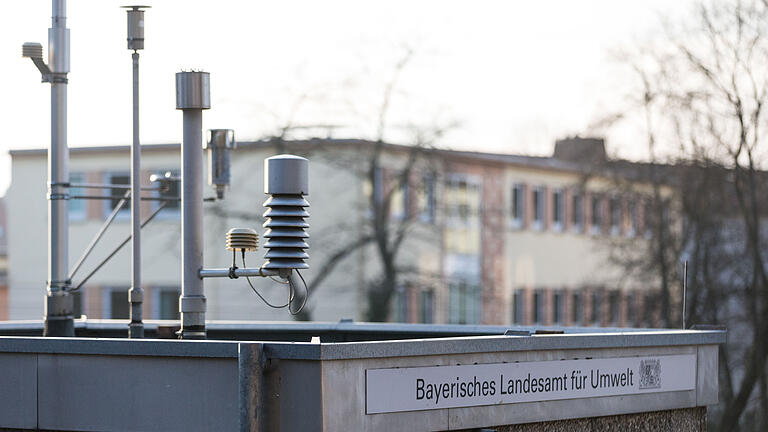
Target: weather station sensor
135	37
286	182
218	146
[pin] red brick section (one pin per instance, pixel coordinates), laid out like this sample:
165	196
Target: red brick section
492	245
92	301
94	208
549	203
492	233
527	206
567	208
3	303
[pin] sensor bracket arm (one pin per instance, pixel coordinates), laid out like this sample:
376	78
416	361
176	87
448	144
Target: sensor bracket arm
238	272
47	75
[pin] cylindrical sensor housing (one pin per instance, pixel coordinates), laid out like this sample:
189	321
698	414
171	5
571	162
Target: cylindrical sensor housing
286	174
220	142
286	181
193	90
135	37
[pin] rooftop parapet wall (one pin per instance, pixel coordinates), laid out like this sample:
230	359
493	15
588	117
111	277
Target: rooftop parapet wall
111	384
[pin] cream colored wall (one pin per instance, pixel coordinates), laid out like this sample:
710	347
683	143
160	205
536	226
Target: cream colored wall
564	259
330	221
27	238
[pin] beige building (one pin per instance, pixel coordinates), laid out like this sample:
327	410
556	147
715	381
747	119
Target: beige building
487	238
3	262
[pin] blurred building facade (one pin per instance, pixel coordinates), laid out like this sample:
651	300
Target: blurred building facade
4	306
488	238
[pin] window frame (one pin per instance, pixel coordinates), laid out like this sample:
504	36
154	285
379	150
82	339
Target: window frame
157	308
517	205
538	201
558	203
577	211
107	207
596	217
106	301
76	215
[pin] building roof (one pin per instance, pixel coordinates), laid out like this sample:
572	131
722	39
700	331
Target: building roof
634	170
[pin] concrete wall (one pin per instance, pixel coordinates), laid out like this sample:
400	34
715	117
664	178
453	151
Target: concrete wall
147	385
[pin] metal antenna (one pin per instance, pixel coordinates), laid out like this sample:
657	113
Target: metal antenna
135	41
685	288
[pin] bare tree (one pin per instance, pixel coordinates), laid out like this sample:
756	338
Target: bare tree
707	87
380	229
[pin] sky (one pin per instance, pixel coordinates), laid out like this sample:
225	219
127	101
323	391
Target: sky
498	76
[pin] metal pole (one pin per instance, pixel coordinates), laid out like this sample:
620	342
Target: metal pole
192	96
59	305
136	293
193	297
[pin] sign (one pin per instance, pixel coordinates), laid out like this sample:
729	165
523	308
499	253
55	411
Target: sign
436	387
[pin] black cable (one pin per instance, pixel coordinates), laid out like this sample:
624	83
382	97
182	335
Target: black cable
306	296
258	294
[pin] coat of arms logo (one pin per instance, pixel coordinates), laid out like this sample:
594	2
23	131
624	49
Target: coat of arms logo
650	374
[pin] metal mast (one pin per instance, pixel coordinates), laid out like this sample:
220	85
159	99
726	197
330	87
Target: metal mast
136	293
192	97
59	304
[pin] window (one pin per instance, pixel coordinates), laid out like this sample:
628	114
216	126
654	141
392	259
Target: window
615	211
632	218
538	208
399	204
77	298
648	219
577	212
558	210
517	306
77	207
597	214
596	306
631	315
125	211
517	211
167	301
462	198
464	303
538	307
115	305
373	190
427	306
576	308
428	200
401	304
518	302
649	308
557	308
613	307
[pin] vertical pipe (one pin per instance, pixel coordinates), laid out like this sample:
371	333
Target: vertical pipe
59	305
192	295
136	293
192	97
